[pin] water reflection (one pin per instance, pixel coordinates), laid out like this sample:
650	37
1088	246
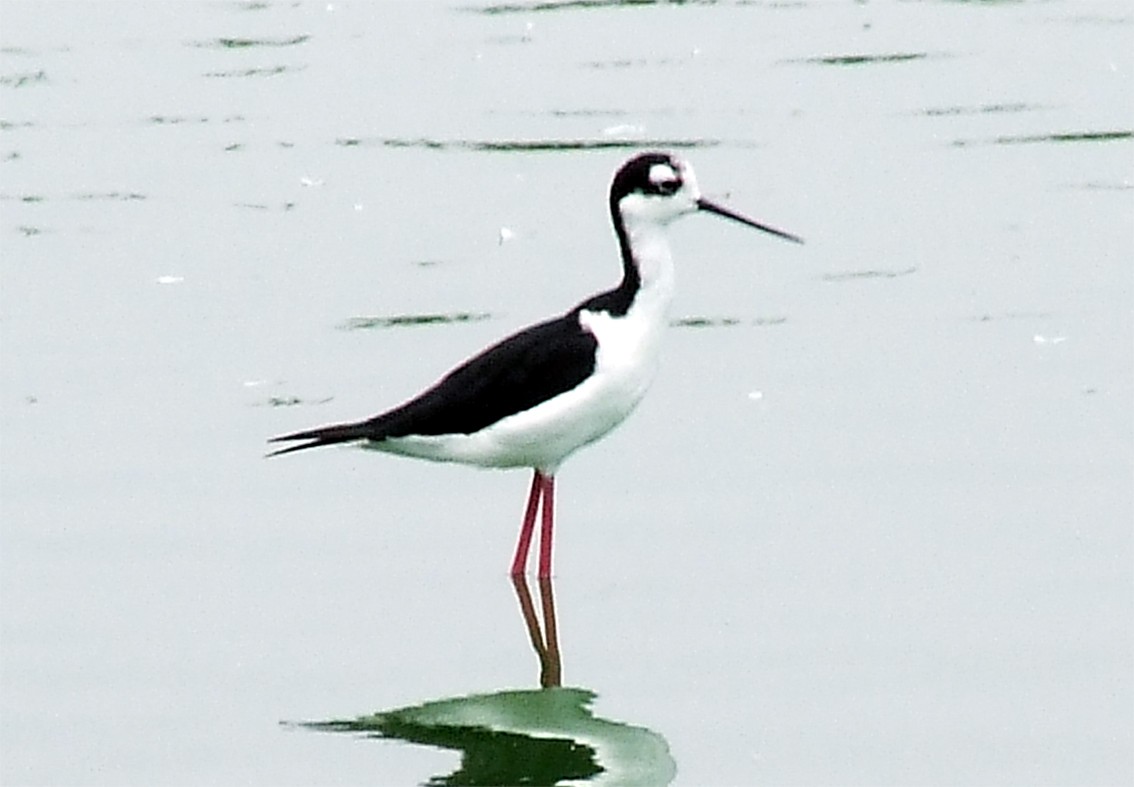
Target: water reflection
545	642
528	736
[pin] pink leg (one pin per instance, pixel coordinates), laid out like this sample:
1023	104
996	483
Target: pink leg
520	561
545	531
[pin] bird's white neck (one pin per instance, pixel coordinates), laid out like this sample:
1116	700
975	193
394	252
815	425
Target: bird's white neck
649	248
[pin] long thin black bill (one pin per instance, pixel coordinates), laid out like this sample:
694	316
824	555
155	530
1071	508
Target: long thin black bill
713	207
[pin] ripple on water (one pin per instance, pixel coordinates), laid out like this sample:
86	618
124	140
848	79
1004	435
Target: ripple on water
1058	137
525	145
411	320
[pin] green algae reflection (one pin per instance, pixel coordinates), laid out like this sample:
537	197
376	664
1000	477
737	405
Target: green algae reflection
536	736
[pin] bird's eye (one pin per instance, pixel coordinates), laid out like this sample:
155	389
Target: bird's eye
663	179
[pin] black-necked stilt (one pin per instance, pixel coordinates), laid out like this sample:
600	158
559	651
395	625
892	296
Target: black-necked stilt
541	394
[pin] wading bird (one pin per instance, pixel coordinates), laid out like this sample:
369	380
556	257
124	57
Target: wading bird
536	397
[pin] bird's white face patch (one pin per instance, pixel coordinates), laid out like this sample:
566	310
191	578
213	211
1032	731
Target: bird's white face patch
661	174
676	195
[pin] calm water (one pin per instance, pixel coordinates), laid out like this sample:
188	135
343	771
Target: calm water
872	525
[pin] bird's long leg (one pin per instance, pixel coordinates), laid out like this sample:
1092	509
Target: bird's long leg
545	535
520	561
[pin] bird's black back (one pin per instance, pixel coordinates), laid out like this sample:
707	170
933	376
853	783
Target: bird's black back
509	377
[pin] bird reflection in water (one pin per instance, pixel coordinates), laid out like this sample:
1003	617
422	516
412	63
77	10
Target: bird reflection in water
545	642
542	736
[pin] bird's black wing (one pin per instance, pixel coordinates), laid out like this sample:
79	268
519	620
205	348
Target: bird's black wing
509	377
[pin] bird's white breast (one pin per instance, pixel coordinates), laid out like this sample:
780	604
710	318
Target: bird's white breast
543	436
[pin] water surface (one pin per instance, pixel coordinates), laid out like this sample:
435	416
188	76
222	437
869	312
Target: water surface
871	526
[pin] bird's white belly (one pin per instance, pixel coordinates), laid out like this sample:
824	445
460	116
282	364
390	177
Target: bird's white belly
543	436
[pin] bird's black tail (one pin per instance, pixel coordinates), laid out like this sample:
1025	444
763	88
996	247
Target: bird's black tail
324	435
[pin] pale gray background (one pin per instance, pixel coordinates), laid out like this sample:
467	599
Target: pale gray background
872	527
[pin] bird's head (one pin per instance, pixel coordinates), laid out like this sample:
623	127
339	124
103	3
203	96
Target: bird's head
656	188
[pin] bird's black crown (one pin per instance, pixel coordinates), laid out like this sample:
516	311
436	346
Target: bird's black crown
635	177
